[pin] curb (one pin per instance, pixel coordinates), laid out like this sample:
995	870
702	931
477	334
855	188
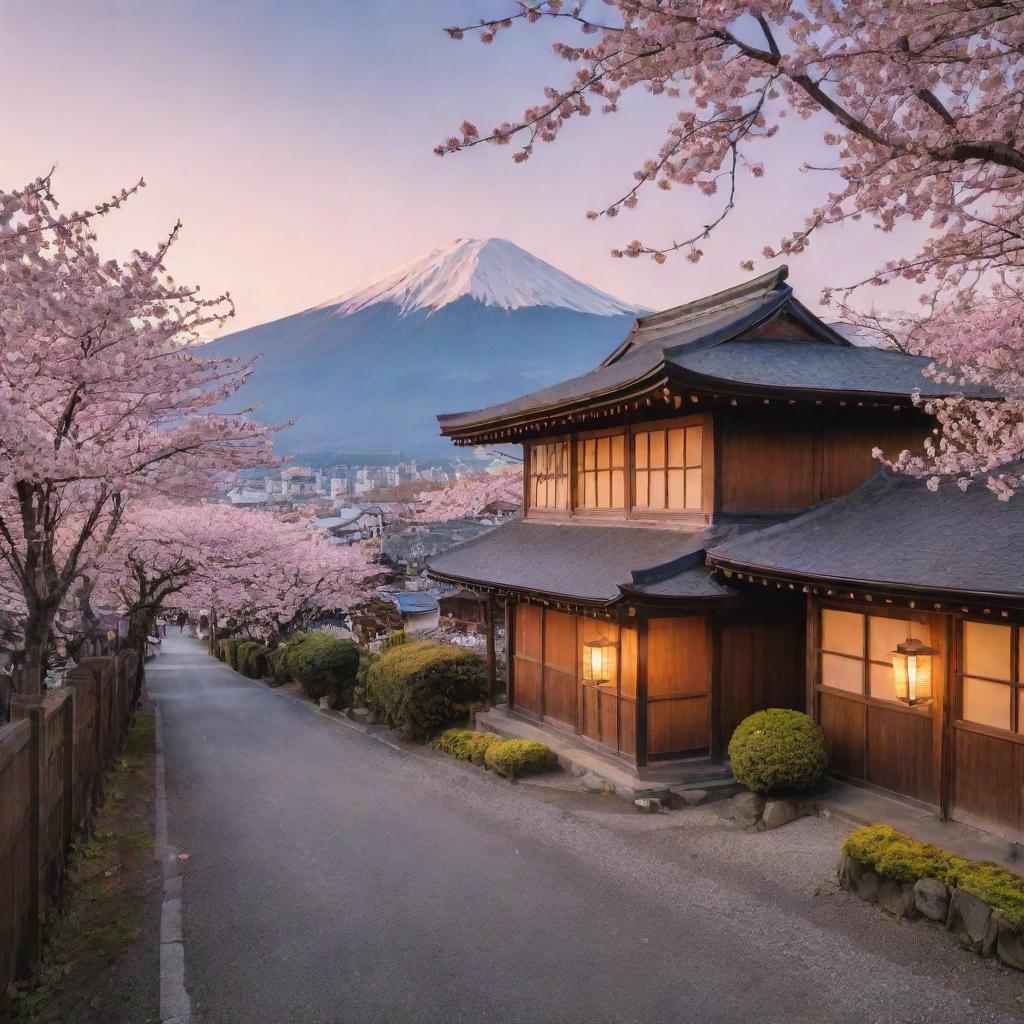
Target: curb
175	1004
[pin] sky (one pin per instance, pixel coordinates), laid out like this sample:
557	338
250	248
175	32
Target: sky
295	141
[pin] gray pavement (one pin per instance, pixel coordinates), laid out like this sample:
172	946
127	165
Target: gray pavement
332	879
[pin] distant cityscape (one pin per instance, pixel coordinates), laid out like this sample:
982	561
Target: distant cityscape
337	485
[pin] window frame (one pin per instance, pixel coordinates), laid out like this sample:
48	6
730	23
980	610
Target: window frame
684	425
529	477
864	695
579	472
1015	685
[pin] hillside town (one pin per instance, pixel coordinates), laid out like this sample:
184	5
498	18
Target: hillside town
571	583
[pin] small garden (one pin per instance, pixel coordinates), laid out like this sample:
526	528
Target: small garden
980	903
779	756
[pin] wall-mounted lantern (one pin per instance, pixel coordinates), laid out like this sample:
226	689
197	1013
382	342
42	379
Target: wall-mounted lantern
599	660
912	668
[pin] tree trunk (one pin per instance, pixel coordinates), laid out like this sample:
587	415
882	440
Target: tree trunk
38	629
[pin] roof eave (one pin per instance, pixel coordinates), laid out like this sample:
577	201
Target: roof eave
903	590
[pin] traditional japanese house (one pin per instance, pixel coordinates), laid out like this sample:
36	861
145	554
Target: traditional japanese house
709	423
915	605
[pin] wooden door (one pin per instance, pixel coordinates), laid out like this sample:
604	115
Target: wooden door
529	647
678	686
560	669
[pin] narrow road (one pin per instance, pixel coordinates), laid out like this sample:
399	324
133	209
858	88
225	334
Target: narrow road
333	879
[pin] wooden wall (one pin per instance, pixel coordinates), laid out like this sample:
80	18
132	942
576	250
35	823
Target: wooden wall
881	742
782	460
761	665
988	786
678	685
677	659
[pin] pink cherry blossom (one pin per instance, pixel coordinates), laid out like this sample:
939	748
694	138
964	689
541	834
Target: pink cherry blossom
921	106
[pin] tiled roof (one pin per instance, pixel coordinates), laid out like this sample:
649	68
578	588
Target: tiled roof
893	530
707	344
592	564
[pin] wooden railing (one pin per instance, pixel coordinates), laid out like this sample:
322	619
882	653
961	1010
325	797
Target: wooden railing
53	755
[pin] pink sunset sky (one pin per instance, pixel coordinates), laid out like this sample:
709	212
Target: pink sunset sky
294	141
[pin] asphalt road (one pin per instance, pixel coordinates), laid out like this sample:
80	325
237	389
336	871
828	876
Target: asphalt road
334	879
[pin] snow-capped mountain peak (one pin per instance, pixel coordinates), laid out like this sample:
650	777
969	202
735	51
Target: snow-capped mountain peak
493	271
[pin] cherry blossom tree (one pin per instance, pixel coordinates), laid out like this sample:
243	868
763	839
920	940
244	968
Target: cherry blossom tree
268	576
471	495
920	104
102	397
238	565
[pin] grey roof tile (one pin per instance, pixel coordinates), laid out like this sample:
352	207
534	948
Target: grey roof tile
585	563
893	530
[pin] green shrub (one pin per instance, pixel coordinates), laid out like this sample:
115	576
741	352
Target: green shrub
513	758
900	857
222	650
777	751
422	686
277	666
465	744
233	653
325	666
252	659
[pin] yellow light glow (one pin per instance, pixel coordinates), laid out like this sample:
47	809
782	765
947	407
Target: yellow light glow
597	660
912	669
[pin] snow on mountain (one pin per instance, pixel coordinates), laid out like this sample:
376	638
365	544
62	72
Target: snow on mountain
469	324
494	271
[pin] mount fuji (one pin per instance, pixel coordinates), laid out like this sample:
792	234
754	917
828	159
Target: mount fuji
471	323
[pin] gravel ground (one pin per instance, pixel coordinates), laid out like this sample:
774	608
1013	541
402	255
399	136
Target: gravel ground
334	879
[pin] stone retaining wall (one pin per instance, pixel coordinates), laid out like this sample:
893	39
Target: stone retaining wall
969	919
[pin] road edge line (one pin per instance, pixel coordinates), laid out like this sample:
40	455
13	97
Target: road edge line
175	1004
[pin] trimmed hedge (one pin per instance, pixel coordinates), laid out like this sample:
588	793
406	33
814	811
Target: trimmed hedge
465	744
513	758
897	856
222	650
422	686
232	649
252	659
324	665
777	751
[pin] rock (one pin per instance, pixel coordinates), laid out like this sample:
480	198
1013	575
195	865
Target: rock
778	812
1009	945
896	898
692	797
859	879
649	805
931	899
593	783
969	919
746	809
325	703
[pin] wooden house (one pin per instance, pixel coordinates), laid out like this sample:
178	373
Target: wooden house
890	562
712	423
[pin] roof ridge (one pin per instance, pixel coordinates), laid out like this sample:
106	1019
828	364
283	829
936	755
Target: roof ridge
765	283
736	295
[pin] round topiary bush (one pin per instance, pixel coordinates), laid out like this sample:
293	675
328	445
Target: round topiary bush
513	758
420	687
777	751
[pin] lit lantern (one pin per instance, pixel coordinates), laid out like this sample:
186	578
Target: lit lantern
912	668
598	659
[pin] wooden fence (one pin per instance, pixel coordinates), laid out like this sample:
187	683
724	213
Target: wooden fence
53	755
